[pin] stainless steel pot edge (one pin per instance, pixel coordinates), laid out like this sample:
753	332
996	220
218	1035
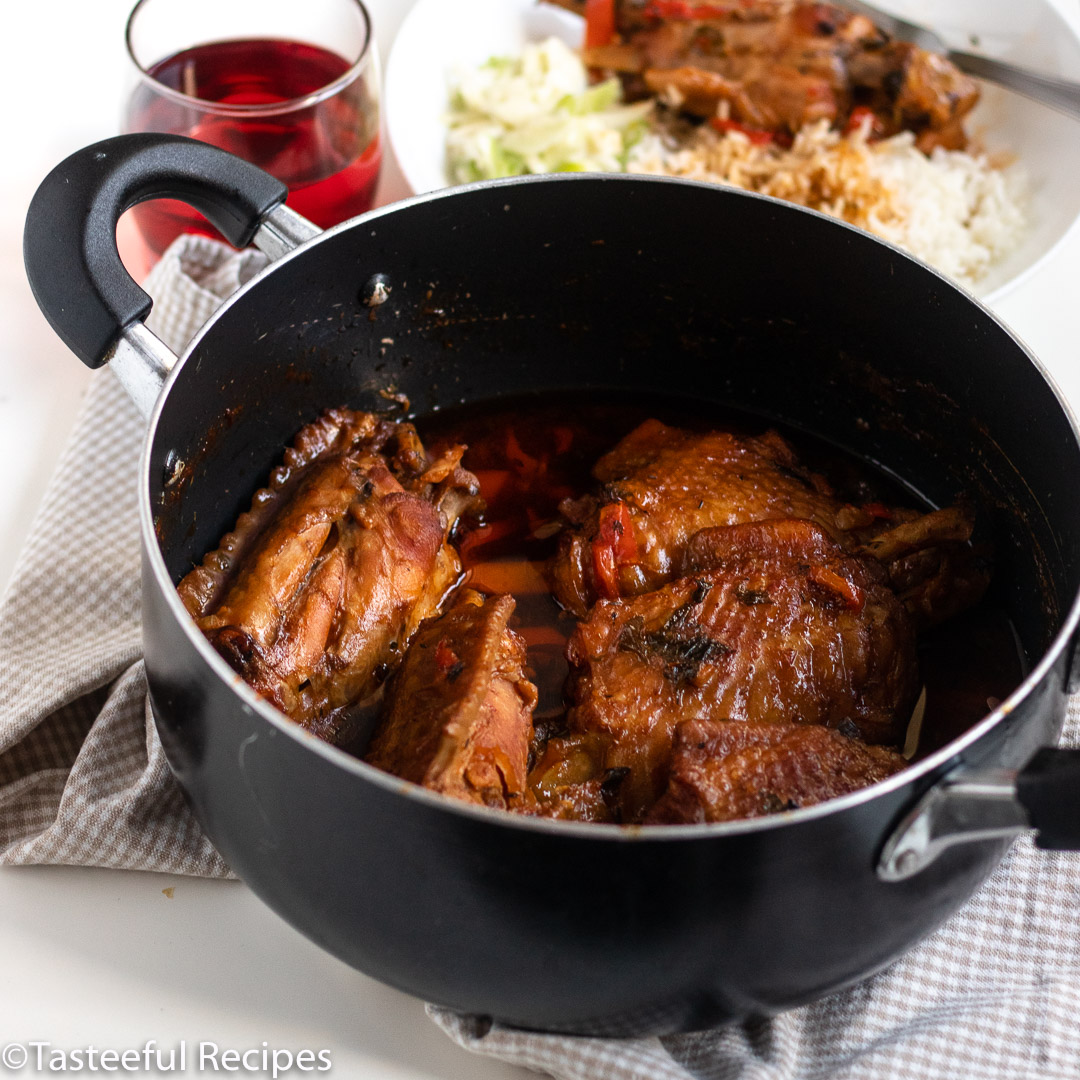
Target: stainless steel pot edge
938	761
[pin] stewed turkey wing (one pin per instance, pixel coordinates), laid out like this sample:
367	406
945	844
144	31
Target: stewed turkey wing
658	487
726	771
773	624
661	486
459	710
316	593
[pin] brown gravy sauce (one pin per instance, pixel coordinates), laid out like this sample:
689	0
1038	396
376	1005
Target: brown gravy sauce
530	453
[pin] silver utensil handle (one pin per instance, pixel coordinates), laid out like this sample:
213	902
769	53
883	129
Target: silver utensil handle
1060	94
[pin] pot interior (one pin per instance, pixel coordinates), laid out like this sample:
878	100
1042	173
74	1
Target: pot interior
644	286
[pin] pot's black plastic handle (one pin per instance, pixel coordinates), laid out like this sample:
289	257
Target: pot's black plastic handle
69	242
1048	788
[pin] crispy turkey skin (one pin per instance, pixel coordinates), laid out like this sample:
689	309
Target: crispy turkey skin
726	771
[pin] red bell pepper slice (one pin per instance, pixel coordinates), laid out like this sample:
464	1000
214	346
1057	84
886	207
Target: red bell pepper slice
878	510
490	533
858	116
613	547
758	136
599	23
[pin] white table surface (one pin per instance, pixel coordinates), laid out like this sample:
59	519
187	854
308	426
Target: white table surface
104	957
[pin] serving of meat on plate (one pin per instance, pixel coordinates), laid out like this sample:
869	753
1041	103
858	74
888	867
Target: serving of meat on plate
726	634
777	65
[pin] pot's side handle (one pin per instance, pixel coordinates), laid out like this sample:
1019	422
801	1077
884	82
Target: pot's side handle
1048	788
968	806
69	241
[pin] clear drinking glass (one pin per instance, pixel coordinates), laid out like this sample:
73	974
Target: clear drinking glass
292	87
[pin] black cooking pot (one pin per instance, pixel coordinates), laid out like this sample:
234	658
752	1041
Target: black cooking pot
560	283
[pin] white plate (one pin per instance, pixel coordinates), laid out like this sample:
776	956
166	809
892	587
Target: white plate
439	37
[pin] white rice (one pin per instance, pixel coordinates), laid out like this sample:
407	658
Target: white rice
957	212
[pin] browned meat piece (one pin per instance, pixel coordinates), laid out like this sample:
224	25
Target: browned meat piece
780	64
660	486
722	771
912	90
777	625
763	79
772	98
931	566
315	594
459	715
570	783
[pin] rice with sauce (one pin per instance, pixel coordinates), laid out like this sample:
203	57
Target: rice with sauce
537	113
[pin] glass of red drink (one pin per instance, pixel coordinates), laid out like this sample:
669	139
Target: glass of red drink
291	86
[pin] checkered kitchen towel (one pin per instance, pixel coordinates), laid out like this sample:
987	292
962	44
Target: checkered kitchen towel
993	994
83	778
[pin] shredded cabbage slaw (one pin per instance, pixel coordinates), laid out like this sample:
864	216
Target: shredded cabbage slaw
537	113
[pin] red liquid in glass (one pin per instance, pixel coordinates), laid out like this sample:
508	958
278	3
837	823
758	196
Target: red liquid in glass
327	153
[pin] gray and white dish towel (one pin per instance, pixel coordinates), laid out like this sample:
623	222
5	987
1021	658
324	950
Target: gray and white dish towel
995	993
